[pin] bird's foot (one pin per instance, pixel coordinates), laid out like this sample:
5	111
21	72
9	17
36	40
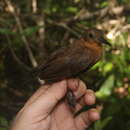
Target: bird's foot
71	99
72	86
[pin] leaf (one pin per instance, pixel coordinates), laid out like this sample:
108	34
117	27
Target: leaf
106	88
106	121
4	123
30	30
6	31
108	67
104	4
100	125
72	9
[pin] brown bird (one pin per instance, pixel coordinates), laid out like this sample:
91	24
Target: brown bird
68	62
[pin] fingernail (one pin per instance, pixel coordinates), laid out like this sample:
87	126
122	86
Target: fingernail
73	84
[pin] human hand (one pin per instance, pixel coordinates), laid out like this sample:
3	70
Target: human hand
48	110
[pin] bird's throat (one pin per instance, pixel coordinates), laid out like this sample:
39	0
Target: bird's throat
95	48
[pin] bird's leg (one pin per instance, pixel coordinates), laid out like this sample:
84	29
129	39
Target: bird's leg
71	99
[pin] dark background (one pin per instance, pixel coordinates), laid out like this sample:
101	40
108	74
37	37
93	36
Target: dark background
31	29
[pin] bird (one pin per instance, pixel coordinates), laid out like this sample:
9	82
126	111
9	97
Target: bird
73	59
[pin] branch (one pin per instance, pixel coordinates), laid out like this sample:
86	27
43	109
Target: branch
15	56
64	25
34	6
40	21
84	14
14	13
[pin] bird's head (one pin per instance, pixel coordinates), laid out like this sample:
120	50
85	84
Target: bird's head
94	35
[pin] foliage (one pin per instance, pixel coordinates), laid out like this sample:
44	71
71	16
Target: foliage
30	31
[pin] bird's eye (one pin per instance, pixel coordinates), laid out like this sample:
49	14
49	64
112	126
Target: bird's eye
91	35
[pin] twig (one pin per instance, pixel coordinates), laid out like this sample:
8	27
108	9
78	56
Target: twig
69	29
100	14
85	15
15	56
34	6
14	13
64	25
41	43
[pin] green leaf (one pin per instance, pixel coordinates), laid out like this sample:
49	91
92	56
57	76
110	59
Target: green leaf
72	9
100	124
108	67
4	123
106	121
6	31
104	4
106	88
30	30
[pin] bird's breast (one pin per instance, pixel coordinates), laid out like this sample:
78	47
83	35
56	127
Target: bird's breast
95	50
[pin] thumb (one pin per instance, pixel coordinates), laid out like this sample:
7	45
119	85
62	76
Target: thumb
46	102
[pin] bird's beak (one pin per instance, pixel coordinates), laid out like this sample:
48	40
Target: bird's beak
104	41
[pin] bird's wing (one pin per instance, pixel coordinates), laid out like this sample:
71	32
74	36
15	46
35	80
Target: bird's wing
35	71
65	63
